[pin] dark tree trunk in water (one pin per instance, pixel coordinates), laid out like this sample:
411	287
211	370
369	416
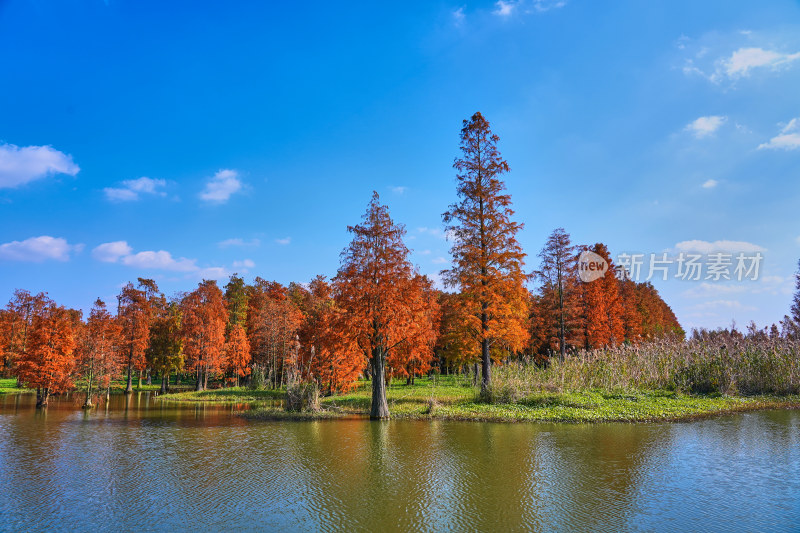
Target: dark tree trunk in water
379	409
129	388
42	395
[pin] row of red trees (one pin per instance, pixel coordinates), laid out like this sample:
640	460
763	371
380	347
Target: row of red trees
377	317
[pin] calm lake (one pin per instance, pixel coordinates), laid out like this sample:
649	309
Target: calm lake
141	464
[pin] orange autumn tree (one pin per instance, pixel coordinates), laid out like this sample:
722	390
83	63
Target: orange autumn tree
602	310
17	319
237	353
273	321
48	362
378	293
557	309
330	360
134	315
413	357
487	258
203	330
98	342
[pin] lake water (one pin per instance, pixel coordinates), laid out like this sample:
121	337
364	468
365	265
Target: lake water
141	464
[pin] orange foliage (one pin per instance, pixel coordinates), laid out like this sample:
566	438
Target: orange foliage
237	352
97	351
273	321
203	329
48	362
379	295
326	358
487	258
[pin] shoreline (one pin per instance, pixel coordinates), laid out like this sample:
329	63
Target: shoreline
638	406
452	401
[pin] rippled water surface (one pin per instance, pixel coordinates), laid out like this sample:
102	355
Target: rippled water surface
140	464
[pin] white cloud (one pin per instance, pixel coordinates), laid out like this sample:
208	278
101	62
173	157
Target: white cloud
121	252
398	190
220	188
788	139
238	242
439	261
744	60
284	241
246	263
38	249
216	273
458	16
705	126
506	8
435	232
710	184
131	189
503	8
111	252
707	247
161	260
21	165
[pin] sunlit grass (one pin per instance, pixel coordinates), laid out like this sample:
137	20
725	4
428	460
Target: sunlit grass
9	386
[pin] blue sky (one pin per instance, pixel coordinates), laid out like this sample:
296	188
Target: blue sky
185	140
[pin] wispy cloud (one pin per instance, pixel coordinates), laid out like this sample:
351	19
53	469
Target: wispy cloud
745	60
507	8
710	184
38	249
221	187
741	63
459	16
284	241
787	139
398	190
131	189
707	247
237	242
21	165
705	126
122	253
111	252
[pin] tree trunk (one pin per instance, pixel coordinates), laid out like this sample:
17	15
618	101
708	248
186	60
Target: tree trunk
129	388
149	377
139	386
379	409
199	385
42	395
88	403
163	384
486	367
